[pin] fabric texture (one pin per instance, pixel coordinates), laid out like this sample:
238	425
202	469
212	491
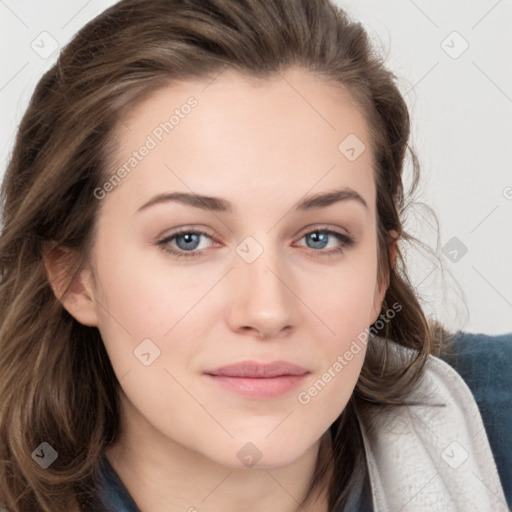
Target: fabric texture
433	456
114	494
485	364
454	456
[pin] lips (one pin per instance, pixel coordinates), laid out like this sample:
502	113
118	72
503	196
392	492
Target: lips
254	380
255	370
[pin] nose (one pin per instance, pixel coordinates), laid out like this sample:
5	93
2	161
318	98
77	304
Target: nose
262	301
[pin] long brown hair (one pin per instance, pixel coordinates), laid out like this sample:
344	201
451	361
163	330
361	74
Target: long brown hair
57	384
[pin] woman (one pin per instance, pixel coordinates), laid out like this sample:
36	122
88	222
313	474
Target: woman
203	298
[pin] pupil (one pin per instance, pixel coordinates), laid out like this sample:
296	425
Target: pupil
189	238
317	236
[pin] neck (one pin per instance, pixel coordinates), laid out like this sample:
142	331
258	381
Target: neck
162	475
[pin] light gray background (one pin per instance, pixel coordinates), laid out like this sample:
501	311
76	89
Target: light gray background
461	105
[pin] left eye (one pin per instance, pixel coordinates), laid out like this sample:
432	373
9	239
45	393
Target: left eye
320	238
186	242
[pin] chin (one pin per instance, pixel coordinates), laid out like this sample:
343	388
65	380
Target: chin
260	452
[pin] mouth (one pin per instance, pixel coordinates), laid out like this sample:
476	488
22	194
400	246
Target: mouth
257	380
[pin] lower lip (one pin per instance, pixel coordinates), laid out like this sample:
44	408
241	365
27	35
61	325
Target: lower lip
259	387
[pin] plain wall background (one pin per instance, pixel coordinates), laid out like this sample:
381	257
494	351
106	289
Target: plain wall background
454	64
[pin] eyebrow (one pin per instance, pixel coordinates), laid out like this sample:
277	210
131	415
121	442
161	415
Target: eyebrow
217	204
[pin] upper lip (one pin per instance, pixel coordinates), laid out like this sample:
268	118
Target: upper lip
258	370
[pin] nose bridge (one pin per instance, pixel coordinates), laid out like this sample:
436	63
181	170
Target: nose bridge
262	298
259	266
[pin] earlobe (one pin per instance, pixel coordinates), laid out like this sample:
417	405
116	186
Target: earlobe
71	285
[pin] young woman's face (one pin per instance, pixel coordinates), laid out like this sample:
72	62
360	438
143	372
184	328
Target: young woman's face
260	274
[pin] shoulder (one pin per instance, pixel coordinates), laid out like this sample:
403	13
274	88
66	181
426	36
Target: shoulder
433	453
483	361
485	364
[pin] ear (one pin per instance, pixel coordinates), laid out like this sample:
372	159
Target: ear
72	286
380	292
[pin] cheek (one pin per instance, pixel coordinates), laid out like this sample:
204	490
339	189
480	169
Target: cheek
345	307
140	300
143	295
344	298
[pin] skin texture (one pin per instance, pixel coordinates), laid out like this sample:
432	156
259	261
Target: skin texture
263	147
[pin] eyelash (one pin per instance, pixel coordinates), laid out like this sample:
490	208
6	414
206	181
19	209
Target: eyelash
163	244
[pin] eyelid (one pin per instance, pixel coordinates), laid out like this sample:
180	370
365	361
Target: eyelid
322	227
199	230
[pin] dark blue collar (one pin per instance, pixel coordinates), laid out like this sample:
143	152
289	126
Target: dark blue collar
114	494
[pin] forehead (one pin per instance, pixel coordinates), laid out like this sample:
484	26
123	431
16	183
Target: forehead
281	136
